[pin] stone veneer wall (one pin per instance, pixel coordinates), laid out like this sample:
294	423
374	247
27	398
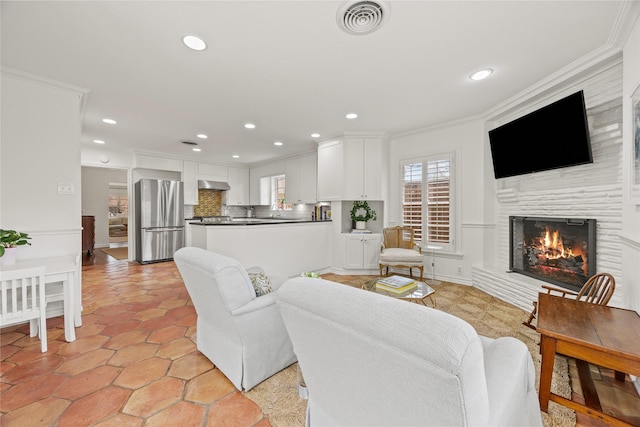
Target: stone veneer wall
586	191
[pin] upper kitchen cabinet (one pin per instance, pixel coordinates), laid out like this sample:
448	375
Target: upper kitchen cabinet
301	179
363	175
331	170
144	161
238	195
189	177
350	169
210	172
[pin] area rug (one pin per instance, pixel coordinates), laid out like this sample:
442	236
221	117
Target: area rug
117	253
491	317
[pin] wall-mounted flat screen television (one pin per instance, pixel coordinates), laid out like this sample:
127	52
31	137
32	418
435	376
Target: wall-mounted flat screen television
555	136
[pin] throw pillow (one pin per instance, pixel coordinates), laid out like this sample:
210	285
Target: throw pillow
261	283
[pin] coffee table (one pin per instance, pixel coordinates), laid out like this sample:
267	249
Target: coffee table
418	295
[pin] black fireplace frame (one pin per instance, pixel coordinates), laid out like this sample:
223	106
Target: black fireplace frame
591	255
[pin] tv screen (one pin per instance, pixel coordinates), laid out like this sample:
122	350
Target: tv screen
555	136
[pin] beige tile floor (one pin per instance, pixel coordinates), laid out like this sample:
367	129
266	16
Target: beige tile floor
134	362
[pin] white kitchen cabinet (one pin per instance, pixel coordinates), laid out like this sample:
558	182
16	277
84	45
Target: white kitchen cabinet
238	195
190	180
301	179
211	170
158	163
363	162
362	251
350	169
331	170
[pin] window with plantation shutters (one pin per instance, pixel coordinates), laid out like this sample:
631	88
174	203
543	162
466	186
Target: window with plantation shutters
427	199
412	198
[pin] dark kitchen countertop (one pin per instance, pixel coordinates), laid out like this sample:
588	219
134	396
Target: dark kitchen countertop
257	221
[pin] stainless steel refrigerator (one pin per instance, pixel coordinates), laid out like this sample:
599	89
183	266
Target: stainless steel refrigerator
159	219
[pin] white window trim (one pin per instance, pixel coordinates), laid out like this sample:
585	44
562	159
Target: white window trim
453	219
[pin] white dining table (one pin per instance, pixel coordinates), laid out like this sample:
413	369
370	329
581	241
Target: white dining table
60	269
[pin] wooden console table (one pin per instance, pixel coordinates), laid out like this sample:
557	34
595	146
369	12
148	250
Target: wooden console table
602	335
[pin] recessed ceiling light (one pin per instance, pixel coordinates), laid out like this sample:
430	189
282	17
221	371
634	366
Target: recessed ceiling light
249	125
278	143
197	149
109	121
481	74
351	116
98	141
235	156
315	135
195	43
202	136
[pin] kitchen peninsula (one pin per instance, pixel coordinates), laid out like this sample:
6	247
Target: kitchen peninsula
281	246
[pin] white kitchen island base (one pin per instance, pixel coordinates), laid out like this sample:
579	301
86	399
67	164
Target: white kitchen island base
284	250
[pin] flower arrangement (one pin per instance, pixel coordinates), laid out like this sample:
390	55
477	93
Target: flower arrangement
12	239
356	211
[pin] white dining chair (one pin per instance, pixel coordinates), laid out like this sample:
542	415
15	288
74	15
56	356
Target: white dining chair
55	292
22	299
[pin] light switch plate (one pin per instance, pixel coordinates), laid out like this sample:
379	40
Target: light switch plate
65	188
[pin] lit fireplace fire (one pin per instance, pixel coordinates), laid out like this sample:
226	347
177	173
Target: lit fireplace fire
557	250
550	251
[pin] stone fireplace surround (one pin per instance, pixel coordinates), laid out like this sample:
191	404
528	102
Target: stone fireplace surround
585	191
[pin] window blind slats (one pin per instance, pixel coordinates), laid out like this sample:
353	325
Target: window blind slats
434	214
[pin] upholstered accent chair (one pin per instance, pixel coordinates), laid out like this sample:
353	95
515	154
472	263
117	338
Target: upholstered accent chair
371	360
398	250
241	333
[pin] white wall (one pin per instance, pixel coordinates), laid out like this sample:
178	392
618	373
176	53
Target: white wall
465	140
630	236
40	149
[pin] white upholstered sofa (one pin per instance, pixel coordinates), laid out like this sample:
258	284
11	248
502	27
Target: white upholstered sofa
241	333
372	360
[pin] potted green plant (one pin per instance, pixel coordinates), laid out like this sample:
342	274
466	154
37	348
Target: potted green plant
9	241
361	213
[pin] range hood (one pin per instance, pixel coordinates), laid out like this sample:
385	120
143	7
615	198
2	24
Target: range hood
212	185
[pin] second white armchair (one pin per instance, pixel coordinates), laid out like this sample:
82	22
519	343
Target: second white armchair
241	333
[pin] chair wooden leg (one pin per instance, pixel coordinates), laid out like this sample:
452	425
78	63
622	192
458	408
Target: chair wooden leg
532	316
421	272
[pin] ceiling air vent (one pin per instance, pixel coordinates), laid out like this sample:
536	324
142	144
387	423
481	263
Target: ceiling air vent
362	17
189	142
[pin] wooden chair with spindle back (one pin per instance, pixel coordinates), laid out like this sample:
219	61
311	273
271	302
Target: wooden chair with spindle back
597	290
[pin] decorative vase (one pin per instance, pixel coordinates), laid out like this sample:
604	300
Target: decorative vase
360	225
9	257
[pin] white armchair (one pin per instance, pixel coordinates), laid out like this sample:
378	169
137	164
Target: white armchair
241	333
371	360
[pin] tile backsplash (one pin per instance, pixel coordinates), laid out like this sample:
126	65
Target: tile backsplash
209	203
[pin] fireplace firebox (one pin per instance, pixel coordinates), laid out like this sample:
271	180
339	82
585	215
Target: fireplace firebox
561	251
